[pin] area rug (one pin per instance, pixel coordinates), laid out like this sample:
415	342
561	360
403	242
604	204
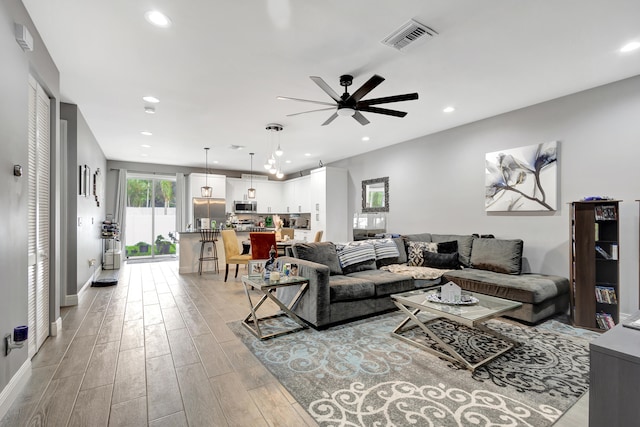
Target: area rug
357	374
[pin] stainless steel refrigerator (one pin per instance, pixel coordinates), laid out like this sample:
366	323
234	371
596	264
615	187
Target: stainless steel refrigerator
206	210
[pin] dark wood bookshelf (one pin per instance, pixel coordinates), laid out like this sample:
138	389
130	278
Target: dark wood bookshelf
594	261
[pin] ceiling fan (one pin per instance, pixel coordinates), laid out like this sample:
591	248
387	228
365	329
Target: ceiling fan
352	105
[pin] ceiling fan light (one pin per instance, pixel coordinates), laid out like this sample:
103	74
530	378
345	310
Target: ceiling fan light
346	112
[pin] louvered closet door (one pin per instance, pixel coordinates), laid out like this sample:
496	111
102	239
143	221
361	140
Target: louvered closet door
38	216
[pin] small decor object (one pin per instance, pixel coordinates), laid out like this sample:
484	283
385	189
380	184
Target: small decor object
256	268
271	265
450	292
522	179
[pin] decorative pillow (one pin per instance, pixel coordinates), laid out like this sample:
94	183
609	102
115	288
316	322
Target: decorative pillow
441	261
501	256
448	247
385	248
402	254
356	256
322	253
415	250
464	245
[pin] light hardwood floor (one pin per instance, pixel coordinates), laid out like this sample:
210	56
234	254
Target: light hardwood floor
155	350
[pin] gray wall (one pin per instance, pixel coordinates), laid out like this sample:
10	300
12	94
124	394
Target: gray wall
437	181
14	74
84	216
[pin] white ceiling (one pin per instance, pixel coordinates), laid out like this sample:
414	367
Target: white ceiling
219	68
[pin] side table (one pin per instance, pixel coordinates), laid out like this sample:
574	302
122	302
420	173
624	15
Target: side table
267	289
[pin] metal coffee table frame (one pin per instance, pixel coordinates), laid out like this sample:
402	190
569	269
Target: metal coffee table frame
473	316
252	321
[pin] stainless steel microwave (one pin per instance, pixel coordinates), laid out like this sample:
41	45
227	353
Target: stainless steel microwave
245	206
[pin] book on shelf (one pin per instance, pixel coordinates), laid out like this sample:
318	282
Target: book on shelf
605	213
605	321
606	294
596	232
604	254
614	251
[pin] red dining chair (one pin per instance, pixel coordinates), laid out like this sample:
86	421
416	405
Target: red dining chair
261	244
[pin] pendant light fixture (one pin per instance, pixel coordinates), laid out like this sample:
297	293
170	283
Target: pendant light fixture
206	191
272	161
251	192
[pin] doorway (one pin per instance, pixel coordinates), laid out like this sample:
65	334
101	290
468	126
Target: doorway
150	216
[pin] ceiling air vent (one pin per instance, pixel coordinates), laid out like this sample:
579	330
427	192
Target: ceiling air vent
407	34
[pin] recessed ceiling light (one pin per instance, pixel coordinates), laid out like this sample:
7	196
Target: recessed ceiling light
150	110
215	162
449	110
146	133
145	146
629	47
365	138
158	19
307	154
151	99
287	161
144	155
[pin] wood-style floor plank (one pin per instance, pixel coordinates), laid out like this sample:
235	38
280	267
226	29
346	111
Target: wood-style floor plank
132	413
102	366
57	403
92	408
163	393
131	379
201	405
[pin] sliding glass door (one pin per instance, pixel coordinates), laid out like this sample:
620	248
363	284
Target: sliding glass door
151	216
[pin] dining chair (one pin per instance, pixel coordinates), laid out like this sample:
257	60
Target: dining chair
287	232
232	253
318	237
261	244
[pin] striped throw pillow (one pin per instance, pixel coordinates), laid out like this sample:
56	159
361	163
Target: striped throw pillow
385	248
355	253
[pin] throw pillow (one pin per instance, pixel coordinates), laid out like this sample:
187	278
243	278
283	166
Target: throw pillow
400	259
448	247
501	256
385	248
322	253
441	261
415	252
356	256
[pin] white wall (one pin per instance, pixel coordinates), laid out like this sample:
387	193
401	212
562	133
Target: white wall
437	181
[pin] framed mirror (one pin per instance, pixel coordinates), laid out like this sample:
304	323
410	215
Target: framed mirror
375	195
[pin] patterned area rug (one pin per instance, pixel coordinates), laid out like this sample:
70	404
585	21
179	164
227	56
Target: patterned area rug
357	374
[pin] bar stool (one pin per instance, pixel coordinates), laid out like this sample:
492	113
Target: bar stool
208	236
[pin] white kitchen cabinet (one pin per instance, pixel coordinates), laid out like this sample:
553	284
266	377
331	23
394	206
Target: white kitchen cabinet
304	235
302	194
269	197
328	189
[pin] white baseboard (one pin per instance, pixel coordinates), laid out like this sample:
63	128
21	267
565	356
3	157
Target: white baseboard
15	386
73	299
56	326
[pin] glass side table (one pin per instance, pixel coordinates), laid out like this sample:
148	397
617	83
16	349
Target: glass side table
267	289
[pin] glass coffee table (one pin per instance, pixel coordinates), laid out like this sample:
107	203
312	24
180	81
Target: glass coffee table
267	289
470	315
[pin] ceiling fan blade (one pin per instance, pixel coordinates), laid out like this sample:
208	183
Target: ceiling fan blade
330	119
325	87
286	98
386	111
360	118
310	111
387	99
369	85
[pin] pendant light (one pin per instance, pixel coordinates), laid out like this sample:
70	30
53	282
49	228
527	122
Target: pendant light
251	192
206	191
272	161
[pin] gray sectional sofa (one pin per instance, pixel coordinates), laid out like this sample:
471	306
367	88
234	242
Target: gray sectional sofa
339	293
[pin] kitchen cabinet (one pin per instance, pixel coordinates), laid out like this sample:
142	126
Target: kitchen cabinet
328	197
304	235
198	180
296	195
272	197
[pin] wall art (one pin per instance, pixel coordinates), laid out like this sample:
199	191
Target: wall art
522	179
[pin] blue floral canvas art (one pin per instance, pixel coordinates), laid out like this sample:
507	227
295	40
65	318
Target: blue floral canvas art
522	179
